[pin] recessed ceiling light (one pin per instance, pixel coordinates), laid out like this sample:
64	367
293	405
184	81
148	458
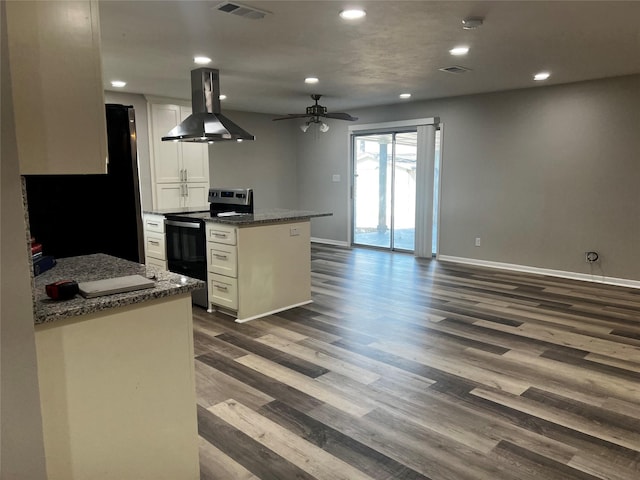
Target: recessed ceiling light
222	97
118	83
460	50
541	76
405	95
352	14
311	80
201	60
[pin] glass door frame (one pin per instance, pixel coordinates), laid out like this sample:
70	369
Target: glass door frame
390	186
376	128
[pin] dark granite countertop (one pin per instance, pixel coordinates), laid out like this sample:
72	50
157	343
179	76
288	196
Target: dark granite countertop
177	211
97	267
274	215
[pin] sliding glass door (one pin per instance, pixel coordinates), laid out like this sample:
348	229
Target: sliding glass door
384	197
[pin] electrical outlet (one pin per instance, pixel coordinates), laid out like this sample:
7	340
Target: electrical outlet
477	241
294	231
591	257
335	177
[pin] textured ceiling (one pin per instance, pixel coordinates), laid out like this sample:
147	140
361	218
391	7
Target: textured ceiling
398	47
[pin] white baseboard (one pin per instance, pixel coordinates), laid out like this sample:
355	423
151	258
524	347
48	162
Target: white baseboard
585	277
326	241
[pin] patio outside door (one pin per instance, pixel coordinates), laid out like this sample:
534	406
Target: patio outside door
385	190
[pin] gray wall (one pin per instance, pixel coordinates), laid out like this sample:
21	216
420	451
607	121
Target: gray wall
267	164
320	156
21	446
139	103
541	175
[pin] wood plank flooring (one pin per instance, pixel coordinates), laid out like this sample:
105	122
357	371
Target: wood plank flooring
407	368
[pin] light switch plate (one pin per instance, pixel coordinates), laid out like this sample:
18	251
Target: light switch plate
335	177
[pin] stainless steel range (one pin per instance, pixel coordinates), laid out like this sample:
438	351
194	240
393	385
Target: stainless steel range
230	201
186	236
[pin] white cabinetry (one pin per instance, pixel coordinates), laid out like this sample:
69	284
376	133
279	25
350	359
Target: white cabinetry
179	170
56	81
222	266
258	270
155	252
117	391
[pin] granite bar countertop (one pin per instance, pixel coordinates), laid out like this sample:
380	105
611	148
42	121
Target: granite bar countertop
274	215
98	267
177	210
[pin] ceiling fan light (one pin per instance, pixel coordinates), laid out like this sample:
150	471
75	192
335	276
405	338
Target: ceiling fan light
324	127
311	80
304	127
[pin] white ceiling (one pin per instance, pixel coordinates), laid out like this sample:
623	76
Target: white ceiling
398	47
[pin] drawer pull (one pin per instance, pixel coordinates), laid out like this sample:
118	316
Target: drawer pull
152	224
221	257
220	235
154	242
222	288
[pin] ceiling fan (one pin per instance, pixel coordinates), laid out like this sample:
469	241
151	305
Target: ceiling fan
314	113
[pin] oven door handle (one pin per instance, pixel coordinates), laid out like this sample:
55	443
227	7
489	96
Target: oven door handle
175	223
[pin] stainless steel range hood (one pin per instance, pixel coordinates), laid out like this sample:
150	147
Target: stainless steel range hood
206	123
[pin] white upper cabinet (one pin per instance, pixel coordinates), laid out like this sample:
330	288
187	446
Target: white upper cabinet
195	156
179	170
176	161
166	159
56	81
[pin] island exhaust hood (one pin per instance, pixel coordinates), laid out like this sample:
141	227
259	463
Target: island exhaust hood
206	124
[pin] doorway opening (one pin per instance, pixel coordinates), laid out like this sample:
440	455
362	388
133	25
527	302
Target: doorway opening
384	170
395	186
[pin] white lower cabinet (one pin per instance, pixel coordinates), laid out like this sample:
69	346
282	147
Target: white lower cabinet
222	266
181	195
257	270
222	259
223	291
155	252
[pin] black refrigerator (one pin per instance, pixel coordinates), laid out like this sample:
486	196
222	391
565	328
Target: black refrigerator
74	215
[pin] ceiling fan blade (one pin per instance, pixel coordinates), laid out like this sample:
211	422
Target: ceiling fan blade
291	115
341	116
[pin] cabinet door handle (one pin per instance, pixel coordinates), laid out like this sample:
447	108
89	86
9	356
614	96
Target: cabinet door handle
222	288
186	177
221	257
186	190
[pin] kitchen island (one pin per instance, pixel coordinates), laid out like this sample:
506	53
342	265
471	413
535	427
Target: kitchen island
257	263
116	375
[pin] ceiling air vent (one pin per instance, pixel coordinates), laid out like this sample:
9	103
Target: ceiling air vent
455	69
241	10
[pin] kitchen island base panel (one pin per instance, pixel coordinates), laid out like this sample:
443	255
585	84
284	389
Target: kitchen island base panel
273	271
117	392
215	308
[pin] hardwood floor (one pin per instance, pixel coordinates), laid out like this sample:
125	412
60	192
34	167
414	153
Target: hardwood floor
416	369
